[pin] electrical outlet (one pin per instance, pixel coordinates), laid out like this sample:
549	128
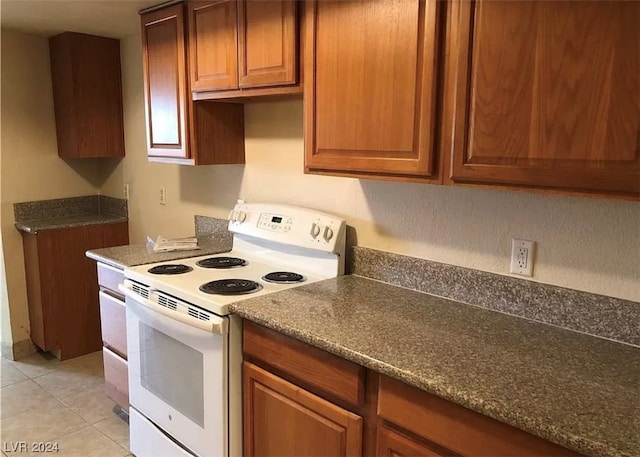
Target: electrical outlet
126	191
163	195
522	257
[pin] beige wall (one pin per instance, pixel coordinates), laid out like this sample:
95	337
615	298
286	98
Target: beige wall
583	243
31	168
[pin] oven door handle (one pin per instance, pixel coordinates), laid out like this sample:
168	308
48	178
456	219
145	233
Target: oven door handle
215	324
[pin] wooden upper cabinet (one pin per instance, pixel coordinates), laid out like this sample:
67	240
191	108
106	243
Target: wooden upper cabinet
546	94
370	87
213	41
180	130
87	95
242	44
267	37
282	419
165	83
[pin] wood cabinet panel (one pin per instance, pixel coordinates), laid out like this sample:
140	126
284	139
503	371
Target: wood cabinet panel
180	130
371	83
165	82
87	95
551	92
267	42
63	288
394	444
213	45
312	366
116	378
282	419
457	428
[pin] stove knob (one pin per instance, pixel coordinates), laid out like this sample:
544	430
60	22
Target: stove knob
328	233
233	216
242	216
315	230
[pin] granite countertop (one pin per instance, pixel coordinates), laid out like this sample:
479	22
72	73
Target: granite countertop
35	226
137	254
570	388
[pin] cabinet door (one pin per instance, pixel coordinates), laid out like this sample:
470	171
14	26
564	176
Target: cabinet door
282	419
213	45
553	94
393	444
370	86
267	38
165	84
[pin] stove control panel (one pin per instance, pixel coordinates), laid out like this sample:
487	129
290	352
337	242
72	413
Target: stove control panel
275	222
288	224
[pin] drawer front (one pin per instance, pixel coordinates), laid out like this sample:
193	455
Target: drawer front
306	364
113	321
109	277
457	428
116	378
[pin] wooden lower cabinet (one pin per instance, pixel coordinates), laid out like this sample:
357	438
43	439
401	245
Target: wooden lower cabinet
282	419
294	405
394	444
62	287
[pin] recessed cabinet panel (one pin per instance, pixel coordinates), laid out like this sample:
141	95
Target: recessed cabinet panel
554	94
179	130
165	79
283	420
214	46
267	42
370	104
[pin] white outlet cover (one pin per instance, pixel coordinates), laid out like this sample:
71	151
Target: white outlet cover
522	257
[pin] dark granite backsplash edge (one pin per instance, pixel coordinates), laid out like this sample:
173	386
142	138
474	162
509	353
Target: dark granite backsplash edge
594	314
70	206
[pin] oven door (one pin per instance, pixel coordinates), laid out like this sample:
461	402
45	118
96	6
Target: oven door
178	372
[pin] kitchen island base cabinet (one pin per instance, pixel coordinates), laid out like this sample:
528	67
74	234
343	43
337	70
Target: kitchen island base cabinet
283	419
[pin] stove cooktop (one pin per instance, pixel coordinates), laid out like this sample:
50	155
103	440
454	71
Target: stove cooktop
213	288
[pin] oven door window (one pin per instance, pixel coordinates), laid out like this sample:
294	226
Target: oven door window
164	363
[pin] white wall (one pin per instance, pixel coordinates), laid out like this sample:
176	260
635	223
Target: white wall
583	243
31	168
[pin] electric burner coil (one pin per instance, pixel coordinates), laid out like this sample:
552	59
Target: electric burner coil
230	287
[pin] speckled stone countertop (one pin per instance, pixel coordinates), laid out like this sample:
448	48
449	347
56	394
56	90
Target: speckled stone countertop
137	254
39	225
573	389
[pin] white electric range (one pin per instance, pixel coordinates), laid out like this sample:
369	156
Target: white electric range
184	347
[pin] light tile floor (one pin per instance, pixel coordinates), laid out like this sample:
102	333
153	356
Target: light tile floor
43	400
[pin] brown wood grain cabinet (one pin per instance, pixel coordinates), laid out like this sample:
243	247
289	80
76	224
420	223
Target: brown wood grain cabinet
283	419
62	287
454	429
243	44
297	402
370	88
180	130
545	94
87	95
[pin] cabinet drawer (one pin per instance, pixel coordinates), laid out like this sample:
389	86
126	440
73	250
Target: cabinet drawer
116	378
306	364
457	428
109	277
113	322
